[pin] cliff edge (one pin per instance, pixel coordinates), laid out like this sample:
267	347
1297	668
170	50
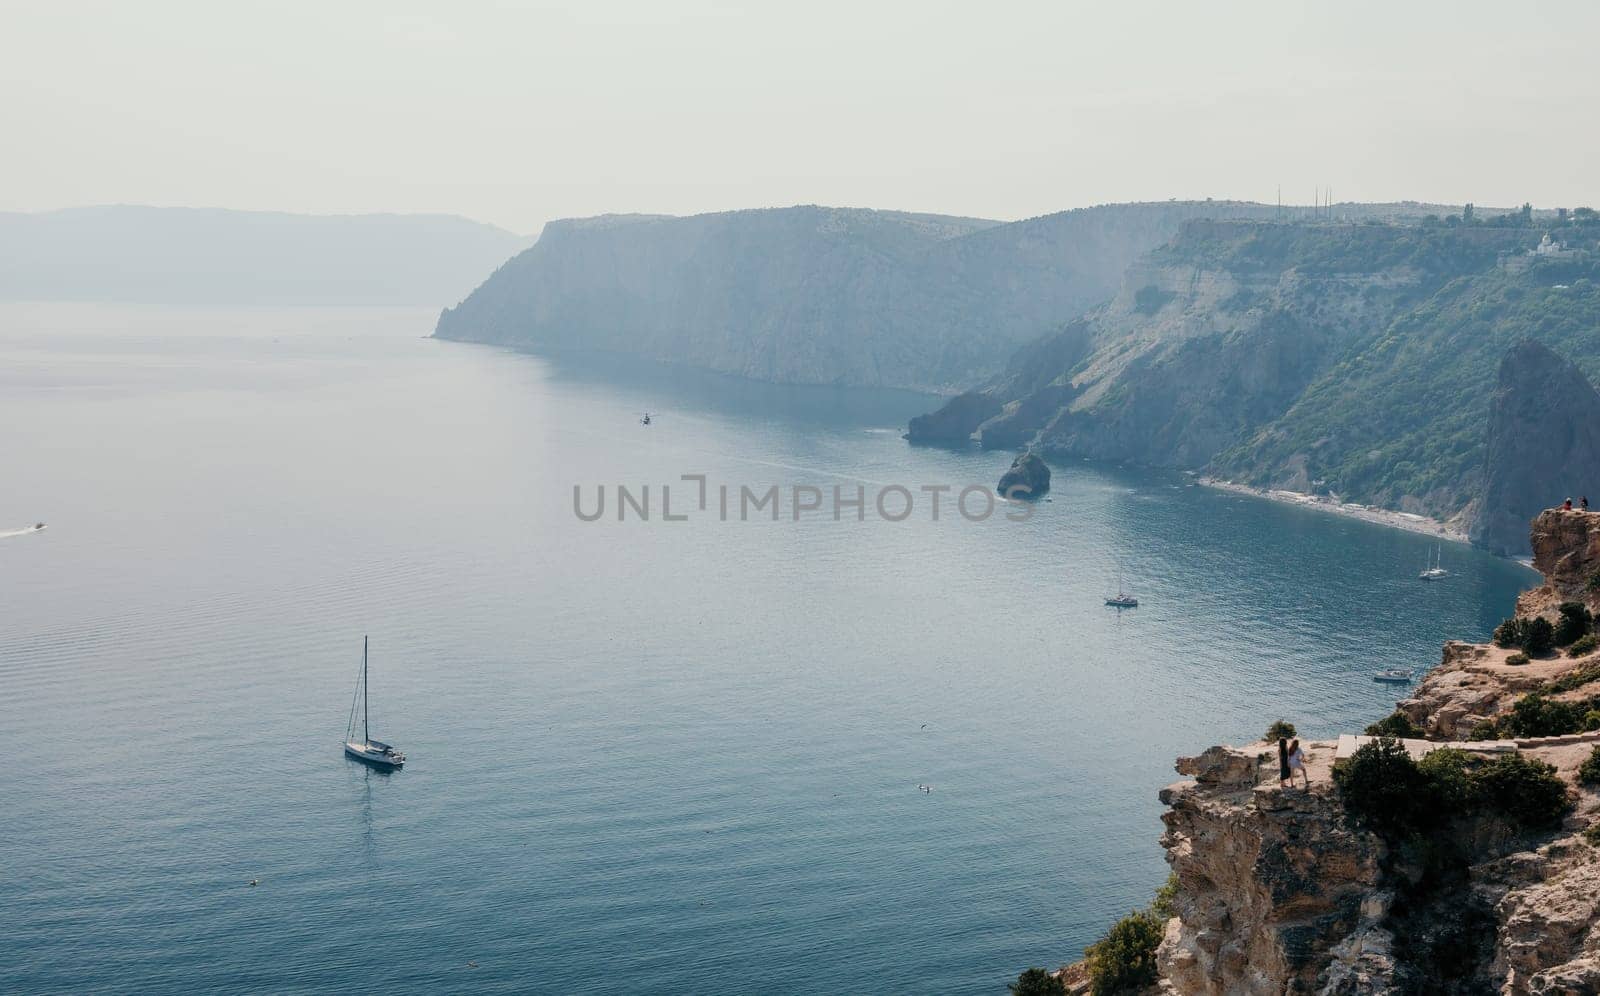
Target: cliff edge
1280	890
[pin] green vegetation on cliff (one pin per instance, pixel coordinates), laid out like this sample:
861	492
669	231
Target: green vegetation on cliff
1359	360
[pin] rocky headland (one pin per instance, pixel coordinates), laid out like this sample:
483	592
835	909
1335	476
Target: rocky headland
1284	890
1435	373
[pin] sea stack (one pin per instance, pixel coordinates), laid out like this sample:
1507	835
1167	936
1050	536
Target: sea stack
1027	478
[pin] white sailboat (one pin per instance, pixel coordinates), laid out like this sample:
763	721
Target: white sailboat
1122	600
373	752
1433	572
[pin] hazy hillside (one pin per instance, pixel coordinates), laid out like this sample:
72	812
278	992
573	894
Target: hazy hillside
1353	359
820	295
191	255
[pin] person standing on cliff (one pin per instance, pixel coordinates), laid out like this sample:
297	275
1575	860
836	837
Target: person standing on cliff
1583	503
1566	506
1297	762
1283	762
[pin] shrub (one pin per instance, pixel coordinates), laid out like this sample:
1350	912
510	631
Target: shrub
1517	658
1383	787
1523	790
1451	787
1397	724
1536	716
1577	677
1535	635
1125	959
1593	584
1574	622
1592	835
1037	982
1489	730
1589	770
1508	634
1591	720
1163	905
1583	645
1538	636
1281	730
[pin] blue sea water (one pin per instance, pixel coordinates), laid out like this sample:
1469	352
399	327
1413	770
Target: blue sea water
670	757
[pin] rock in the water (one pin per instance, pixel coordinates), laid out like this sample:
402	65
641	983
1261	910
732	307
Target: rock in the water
1544	445
1027	478
954	424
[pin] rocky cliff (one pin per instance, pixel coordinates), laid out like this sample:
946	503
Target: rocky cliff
818	295
1543	444
1349	360
1284	891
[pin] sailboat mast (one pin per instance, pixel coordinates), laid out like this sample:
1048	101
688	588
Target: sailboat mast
366	734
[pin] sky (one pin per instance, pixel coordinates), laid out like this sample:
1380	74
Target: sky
515	114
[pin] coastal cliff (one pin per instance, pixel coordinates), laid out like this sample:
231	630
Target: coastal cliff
819	295
1544	441
1380	364
1286	890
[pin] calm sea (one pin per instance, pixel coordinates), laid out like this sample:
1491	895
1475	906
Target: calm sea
659	757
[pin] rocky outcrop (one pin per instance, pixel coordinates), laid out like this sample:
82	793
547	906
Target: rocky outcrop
1280	890
1028	477
1276	891
954	424
1566	550
1543	444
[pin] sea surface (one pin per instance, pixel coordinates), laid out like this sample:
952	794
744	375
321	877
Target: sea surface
653	756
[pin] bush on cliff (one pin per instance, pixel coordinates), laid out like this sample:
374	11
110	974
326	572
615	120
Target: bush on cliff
1522	790
1398	797
1037	982
1538	637
1124	961
1575	622
1535	636
1383	787
1583	645
1534	715
1509	633
1396	724
1281	730
1589	770
1517	659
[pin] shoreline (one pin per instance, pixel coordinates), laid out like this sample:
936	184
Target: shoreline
1407	521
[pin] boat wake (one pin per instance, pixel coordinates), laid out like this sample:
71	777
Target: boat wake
8	533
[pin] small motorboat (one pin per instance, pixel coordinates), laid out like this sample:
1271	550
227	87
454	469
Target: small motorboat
373	752
1394	676
38	526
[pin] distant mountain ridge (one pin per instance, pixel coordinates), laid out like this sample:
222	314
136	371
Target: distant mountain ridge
818	295
216	256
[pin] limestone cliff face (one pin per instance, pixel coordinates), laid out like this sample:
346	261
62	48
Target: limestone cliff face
1198	349
1276	892
817	295
1280	892
1544	444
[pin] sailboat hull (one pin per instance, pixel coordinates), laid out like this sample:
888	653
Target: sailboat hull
377	755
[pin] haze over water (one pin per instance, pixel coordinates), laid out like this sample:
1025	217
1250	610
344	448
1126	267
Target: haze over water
681	755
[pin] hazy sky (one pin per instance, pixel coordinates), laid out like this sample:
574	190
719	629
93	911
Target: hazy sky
517	113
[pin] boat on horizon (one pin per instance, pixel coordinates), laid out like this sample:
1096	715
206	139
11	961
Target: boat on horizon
373	752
